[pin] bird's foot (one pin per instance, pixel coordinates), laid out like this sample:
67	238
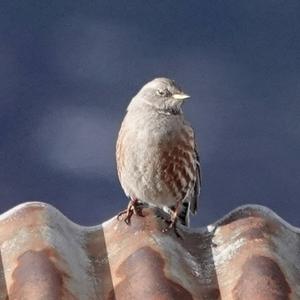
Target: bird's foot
128	213
172	224
134	208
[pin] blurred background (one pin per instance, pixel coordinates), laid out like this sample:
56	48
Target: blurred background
69	68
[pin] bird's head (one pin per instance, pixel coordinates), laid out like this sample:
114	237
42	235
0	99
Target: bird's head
162	94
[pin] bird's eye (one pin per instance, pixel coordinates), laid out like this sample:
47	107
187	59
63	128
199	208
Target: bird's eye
160	92
163	92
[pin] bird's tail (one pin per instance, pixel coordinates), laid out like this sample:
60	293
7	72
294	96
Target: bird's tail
184	213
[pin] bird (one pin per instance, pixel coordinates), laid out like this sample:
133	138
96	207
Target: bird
156	155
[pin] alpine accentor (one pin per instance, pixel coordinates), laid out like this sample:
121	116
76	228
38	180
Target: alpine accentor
156	153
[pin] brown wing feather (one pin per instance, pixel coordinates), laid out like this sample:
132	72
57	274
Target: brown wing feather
197	188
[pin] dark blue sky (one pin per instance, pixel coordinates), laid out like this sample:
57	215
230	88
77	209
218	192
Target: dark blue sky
69	68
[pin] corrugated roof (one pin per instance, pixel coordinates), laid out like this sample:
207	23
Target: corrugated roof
249	254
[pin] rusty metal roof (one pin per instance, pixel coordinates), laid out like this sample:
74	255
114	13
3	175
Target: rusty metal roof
249	254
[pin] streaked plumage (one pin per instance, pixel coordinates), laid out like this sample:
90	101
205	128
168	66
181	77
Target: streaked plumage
156	153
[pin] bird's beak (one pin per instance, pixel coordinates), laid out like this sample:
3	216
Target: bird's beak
180	96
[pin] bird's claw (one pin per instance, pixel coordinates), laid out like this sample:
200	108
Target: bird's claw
121	213
134	208
128	212
172	225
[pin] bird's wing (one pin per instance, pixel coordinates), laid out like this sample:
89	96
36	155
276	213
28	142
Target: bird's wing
197	187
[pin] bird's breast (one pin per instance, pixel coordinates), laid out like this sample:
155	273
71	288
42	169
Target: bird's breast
156	160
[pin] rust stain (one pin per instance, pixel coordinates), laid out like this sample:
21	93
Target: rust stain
37	277
261	279
144	278
3	289
99	268
256	228
212	294
27	216
143	273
